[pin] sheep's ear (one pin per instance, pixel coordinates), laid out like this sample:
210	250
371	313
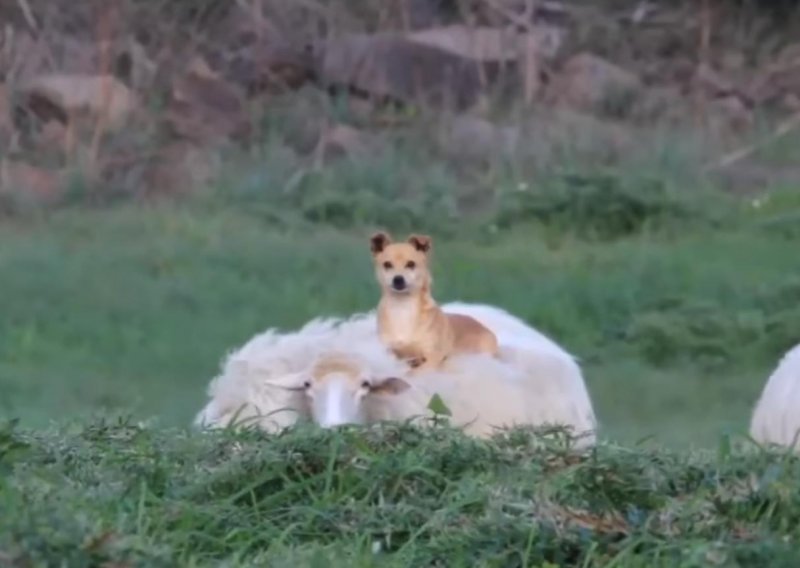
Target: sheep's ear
378	242
392	385
422	243
297	382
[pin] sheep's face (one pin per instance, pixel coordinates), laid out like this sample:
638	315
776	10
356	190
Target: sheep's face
337	389
401	268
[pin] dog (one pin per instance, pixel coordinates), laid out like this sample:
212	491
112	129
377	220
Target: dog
410	323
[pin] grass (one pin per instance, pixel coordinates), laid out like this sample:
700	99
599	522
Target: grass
132	309
677	315
116	493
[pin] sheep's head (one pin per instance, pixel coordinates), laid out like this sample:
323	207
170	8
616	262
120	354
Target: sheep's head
337	388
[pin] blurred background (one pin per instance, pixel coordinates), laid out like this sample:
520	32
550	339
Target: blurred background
178	175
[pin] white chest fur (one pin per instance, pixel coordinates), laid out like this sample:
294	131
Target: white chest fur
399	320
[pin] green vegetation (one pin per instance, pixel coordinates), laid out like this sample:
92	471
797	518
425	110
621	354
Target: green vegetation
677	303
132	309
116	492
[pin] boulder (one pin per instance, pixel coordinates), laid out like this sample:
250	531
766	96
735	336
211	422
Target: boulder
590	83
387	66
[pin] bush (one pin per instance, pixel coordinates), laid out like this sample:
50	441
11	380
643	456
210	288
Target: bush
713	336
600	206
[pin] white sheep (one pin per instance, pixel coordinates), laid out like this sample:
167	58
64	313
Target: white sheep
254	387
776	419
366	385
534	381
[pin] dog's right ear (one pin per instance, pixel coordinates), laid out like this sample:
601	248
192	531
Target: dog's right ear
378	242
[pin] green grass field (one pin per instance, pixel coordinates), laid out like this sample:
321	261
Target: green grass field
133	309
130	310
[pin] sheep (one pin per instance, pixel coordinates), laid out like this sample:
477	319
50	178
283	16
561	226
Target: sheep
268	381
776	418
252	388
366	384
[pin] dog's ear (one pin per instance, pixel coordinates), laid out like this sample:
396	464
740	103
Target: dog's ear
422	243
378	242
392	385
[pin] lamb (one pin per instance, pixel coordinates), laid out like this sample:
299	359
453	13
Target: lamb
776	418
268	382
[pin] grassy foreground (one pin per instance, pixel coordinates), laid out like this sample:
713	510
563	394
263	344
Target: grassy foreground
131	310
119	494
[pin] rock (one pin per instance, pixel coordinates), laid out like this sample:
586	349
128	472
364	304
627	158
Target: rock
23	56
343	140
590	83
665	105
66	97
549	132
180	168
6	122
257	54
22	182
475	139
540	138
420	14
711	83
730	115
488	44
133	65
780	79
496	47
204	108
270	67
482	44
791	103
391	67
52	139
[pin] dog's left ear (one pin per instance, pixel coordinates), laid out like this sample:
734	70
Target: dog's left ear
422	243
392	385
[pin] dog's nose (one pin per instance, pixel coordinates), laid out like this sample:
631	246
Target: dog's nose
398	282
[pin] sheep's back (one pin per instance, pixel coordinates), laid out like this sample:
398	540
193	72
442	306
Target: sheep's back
776	418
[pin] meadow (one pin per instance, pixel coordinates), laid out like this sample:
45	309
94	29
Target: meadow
132	309
115	317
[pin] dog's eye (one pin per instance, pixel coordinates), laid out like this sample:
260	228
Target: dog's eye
411	265
366	385
387	265
307	385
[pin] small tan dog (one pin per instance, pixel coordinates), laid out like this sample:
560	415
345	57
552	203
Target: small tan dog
409	321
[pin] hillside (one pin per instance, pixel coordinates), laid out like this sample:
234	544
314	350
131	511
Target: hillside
140	99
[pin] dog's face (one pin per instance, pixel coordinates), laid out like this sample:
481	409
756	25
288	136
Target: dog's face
401	268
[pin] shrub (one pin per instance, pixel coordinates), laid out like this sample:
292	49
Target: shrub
600	206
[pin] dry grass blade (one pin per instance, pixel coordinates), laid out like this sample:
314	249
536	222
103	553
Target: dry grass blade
786	127
27	13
